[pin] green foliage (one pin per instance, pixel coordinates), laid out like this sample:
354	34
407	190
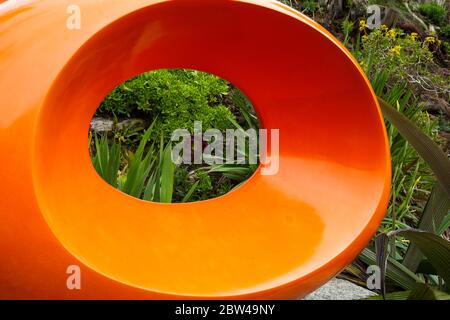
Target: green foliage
425	147
205	187
402	68
446	47
137	160
435	218
305	6
389	57
437	252
445	32
434	12
106	160
147	174
176	97
191	186
347	27
432	281
150	174
310	6
399	55
412	179
403	57
138	168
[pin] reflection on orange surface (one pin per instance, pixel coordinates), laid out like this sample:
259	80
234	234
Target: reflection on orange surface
275	237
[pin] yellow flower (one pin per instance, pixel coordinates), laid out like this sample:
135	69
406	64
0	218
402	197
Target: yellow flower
391	34
361	63
430	39
396	50
362	25
414	36
364	38
384	28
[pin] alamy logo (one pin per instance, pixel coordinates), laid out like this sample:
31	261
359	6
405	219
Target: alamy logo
374	279
373	17
74	279
73	22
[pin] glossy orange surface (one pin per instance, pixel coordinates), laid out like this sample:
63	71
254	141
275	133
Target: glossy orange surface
276	237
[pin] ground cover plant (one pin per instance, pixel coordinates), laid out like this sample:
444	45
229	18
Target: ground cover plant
135	156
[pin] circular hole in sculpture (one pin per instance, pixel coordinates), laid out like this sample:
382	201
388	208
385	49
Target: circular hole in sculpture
175	136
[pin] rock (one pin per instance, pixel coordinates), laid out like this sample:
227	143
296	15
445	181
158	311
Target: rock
335	8
411	27
338	289
436	104
106	124
101	125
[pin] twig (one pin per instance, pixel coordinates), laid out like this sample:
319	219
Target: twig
405	3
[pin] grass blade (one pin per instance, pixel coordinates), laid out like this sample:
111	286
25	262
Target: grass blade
167	176
433	215
426	147
445	225
422	292
381	249
434	248
191	191
395	271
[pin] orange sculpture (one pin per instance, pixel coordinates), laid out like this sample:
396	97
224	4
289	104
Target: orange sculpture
276	237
